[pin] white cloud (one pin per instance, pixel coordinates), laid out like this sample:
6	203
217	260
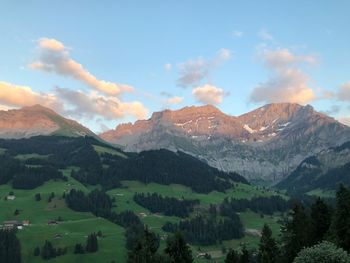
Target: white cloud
94	104
51	44
55	58
174	100
192	72
287	82
265	35
343	93
284	58
223	54
18	96
345	120
208	94
168	66
237	33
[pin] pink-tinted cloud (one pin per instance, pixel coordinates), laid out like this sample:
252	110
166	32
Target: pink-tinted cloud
208	94
287	82
54	57
18	96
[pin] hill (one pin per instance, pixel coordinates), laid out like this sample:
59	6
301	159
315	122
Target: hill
86	164
38	120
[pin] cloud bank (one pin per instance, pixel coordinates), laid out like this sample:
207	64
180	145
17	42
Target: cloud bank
208	94
20	96
103	100
54	57
192	72
287	82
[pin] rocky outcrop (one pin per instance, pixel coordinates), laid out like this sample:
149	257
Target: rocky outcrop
264	144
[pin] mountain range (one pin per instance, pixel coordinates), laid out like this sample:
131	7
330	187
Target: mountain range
265	144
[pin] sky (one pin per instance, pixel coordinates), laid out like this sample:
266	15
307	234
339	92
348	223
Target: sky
108	62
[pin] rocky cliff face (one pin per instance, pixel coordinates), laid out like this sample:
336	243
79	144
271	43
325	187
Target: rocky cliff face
325	170
38	120
267	143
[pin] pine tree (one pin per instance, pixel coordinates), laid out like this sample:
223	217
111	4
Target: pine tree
178	250
36	251
342	218
145	249
245	256
232	257
10	248
78	249
268	249
37	197
295	232
320	219
48	250
92	243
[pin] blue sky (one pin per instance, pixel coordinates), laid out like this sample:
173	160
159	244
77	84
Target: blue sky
107	62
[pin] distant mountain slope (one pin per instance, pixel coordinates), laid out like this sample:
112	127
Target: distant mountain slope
324	170
98	163
267	143
38	120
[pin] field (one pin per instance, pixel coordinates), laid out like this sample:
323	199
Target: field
76	226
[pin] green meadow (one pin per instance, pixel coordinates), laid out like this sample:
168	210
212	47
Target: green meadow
76	226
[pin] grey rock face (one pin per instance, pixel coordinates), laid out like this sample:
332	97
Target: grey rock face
264	144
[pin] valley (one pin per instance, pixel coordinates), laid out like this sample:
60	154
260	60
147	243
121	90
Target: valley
63	188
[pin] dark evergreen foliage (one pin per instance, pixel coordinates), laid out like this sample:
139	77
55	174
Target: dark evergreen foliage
91	243
320	220
232	257
48	251
37	197
79	249
342	218
204	231
296	232
265	205
166	167
145	249
10	248
169	206
177	249
36	252
268	250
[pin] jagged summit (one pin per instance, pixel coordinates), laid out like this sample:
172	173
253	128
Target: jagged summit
264	143
38	120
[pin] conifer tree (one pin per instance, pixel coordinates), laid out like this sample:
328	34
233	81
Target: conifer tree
177	249
320	220
342	218
145	249
48	250
295	232
10	249
232	257
92	243
245	256
268	249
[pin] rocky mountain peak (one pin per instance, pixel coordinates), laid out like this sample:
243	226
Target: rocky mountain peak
38	120
264	143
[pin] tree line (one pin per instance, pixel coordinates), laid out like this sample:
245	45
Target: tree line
169	206
24	177
264	205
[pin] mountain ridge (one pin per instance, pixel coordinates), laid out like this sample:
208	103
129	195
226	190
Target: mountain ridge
38	120
266	143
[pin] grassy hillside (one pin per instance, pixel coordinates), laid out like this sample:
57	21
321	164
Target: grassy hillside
75	226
